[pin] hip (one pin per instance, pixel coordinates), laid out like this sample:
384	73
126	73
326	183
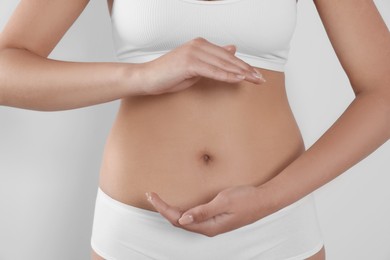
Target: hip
121	231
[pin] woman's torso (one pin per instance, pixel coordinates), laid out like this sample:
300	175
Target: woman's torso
189	145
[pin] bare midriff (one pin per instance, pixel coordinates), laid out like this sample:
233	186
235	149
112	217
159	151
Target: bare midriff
189	145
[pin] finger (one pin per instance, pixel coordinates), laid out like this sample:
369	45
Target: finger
206	211
225	58
215	72
221	63
230	48
212	226
172	214
227	66
215	50
219	56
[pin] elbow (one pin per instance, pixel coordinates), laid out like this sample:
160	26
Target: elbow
2	79
381	100
387	107
7	59
1	91
377	89
3	76
384	100
1	95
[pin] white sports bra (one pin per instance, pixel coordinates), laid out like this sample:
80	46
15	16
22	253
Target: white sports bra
143	30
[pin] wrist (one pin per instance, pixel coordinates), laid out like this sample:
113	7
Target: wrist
131	78
269	198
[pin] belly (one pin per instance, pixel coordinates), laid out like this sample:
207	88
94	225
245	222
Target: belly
189	145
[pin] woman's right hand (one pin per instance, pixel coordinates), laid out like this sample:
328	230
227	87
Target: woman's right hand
185	65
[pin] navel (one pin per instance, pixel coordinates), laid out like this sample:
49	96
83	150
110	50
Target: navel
206	158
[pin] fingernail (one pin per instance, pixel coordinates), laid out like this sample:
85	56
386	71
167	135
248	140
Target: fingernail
259	76
188	219
148	197
240	76
231	48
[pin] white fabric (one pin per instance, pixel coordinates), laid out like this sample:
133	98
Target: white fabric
122	232
261	29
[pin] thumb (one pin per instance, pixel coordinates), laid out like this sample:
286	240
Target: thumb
231	48
203	212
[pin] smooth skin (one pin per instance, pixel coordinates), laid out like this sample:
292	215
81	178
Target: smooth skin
362	43
356	30
68	85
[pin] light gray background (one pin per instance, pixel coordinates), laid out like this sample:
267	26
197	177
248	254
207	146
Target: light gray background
49	161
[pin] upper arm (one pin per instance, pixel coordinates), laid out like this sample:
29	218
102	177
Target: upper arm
38	25
361	41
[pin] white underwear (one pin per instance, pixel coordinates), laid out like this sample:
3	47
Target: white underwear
124	232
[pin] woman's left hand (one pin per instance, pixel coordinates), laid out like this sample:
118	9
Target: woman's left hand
232	208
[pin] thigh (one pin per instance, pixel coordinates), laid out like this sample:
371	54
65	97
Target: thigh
320	255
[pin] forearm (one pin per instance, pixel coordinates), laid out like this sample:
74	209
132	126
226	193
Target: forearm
360	130
32	82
